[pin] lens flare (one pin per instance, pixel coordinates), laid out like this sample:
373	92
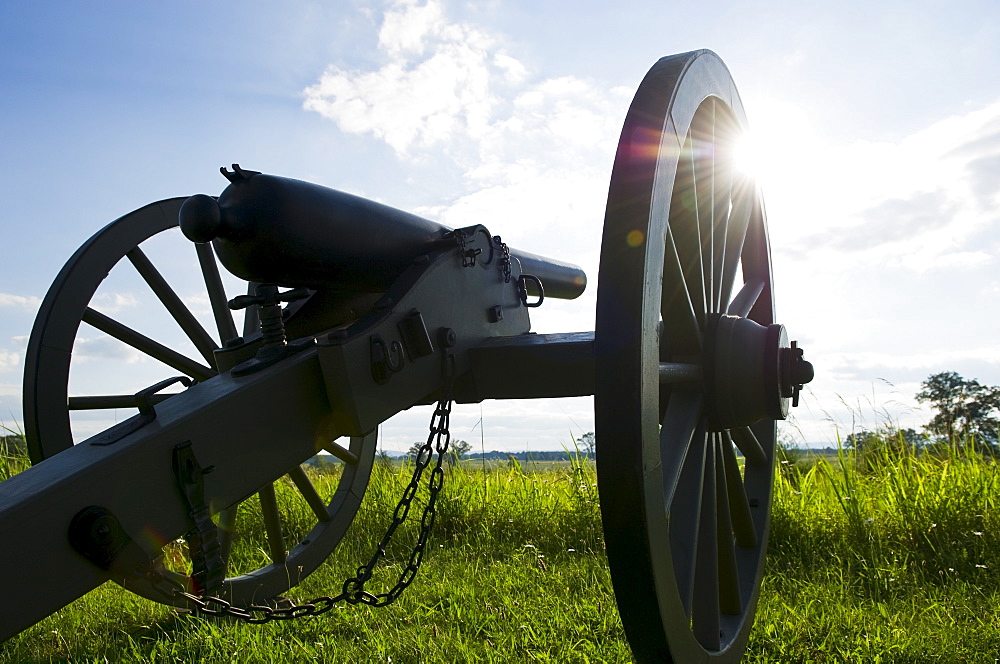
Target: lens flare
748	154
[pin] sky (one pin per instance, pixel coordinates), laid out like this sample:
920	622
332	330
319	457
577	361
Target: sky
876	126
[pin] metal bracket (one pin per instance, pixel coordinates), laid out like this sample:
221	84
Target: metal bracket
522	290
463	241
208	570
147	413
416	338
386	359
795	372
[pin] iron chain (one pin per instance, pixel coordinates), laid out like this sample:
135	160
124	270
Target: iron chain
437	441
504	258
353	590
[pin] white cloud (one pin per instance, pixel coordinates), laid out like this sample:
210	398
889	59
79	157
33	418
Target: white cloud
198	304
917	204
406	31
435	84
918	363
104	348
112	303
514	71
9	361
29	302
453	87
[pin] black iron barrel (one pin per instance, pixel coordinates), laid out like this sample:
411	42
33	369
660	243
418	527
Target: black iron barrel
279	230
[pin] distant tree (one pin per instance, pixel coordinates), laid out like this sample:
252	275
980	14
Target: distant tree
873	448
587	443
13	444
456	450
912	439
414	450
864	441
966	411
894	438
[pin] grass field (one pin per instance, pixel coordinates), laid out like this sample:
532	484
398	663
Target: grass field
895	561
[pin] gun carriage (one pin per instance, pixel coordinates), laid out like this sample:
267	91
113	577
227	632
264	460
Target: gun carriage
355	311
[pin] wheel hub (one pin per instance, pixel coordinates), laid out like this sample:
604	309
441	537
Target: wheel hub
751	371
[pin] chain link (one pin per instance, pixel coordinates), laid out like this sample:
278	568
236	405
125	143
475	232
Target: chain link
437	441
353	590
504	258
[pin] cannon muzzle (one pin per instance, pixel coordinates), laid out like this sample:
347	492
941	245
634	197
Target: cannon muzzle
278	230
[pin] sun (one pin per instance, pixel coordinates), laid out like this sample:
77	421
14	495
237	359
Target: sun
780	147
750	156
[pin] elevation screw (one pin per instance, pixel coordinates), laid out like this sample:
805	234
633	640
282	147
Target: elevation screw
269	299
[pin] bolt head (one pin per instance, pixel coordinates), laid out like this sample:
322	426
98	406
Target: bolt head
448	337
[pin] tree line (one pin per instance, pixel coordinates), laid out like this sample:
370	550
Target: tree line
460	449
965	418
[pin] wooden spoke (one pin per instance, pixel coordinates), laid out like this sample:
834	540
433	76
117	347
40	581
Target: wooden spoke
146	345
687	230
216	292
746	298
341	453
109	401
742	191
251	315
757	253
227	527
677	433
308	491
173	304
729	576
739	504
703	165
272	523
722	195
676	304
705	607
748	444
685	516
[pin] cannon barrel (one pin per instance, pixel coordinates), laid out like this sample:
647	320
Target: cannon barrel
279	230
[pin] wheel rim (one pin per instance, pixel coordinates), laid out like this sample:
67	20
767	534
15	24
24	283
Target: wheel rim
291	552
686	527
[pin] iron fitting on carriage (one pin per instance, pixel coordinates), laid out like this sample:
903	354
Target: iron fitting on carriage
751	371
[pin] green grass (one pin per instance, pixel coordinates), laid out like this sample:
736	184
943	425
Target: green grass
893	560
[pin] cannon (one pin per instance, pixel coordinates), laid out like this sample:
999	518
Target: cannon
355	311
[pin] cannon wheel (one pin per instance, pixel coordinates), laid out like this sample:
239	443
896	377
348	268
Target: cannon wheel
685	525
47	402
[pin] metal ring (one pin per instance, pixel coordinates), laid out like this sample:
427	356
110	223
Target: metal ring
523	290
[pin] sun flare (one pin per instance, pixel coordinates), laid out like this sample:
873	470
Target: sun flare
749	155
